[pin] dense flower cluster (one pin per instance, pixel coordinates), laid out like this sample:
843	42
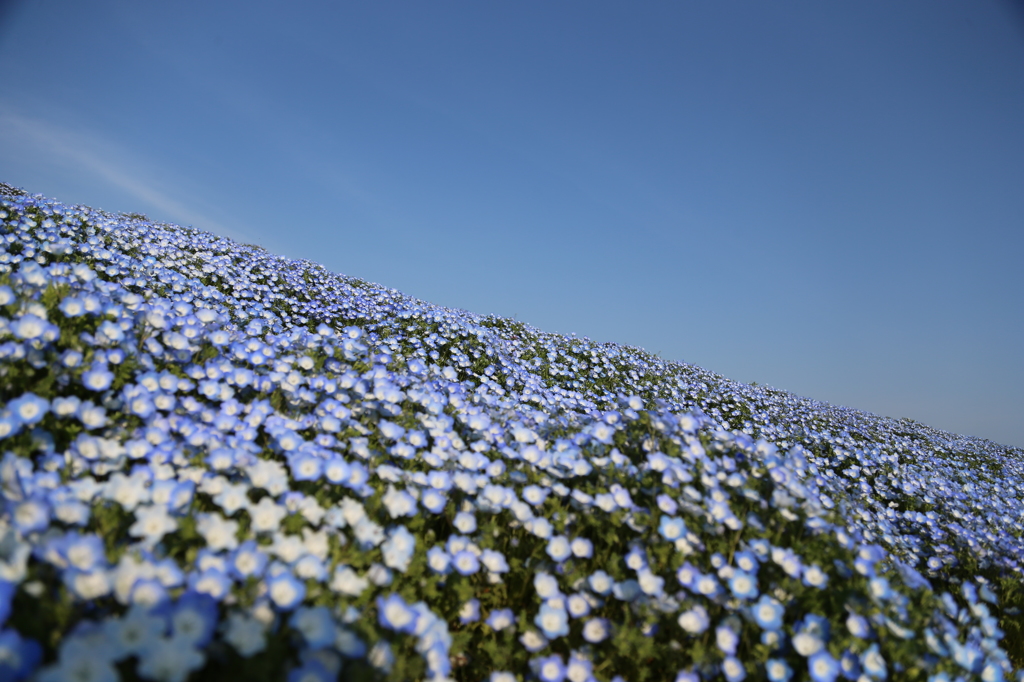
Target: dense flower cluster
213	459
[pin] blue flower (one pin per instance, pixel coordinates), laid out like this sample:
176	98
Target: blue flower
695	620
671	528
601	583
558	548
29	327
815	577
650	583
285	590
221	459
879	588
533	641
305	466
311	671
84	552
552	620
390	429
494	561
743	585
31	515
336	470
470	612
438	560
768	612
579	668
29	408
149	592
247	560
746	561
636	558
726	639
550	668
858	626
499	619
398	549
438	659
98	378
596	630
811	634
434	501
464	522
399	502
707	585
19	656
823	667
394	614
546	585
10	425
72	306
535	495
582	548
211	581
194	618
316	625
874	666
7	590
667	504
687	575
849	665
733	669
465	562
777	670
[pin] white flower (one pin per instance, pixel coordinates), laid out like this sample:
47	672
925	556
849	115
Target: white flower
465	522
650	583
398	549
315	542
218	531
29	327
311	510
128	571
347	582
152	523
381	657
807	644
352	511
14	554
546	585
127	492
368	533
540	527
398	502
595	630
91	585
694	621
267	515
231	497
578	605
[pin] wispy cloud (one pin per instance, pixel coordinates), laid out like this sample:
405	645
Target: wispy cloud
90	153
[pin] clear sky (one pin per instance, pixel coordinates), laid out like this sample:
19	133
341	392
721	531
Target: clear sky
827	197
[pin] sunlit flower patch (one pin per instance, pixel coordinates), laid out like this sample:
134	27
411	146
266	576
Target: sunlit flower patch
221	464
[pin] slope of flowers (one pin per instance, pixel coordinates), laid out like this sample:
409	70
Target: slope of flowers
217	461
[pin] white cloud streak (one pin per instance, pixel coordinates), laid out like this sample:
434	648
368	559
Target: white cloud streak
89	153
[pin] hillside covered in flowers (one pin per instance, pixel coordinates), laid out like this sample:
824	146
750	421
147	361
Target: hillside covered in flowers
217	463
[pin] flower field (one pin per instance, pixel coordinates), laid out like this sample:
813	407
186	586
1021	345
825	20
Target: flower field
219	464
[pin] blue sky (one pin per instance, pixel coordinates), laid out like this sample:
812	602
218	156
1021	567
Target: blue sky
823	197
